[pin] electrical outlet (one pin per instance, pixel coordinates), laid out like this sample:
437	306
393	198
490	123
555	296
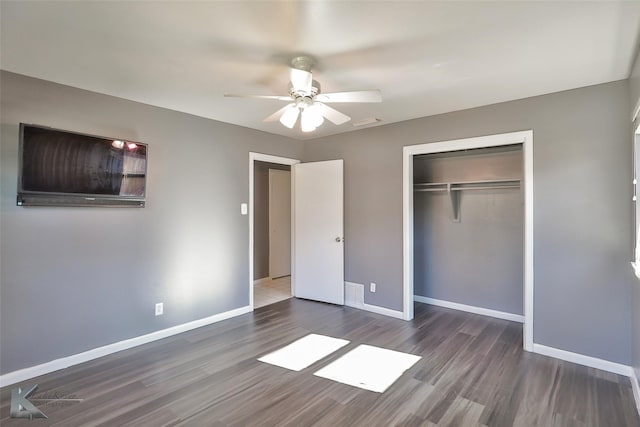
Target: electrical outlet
159	309
372	287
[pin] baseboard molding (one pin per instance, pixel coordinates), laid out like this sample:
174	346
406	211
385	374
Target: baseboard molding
383	310
65	362
581	359
262	280
636	389
470	309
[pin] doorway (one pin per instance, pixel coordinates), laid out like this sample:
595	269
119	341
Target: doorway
526	139
270	250
317	228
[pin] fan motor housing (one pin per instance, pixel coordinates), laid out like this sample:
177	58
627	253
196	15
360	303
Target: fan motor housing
315	89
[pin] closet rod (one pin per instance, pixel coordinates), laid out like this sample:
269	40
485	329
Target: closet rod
467	185
490	187
485	181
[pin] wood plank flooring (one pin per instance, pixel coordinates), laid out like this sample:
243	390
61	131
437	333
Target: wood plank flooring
473	372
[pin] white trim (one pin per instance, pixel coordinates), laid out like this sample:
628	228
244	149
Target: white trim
407	232
523	137
636	265
262	280
527	147
636	111
271	159
636	388
75	359
581	359
383	310
470	309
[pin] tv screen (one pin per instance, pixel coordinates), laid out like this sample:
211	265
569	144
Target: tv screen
66	168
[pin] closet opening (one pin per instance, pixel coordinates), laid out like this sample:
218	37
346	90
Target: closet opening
468	229
468	213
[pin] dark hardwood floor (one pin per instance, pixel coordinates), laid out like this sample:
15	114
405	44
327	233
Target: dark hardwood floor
473	372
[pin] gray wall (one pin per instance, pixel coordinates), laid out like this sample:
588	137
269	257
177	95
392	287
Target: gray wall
73	279
582	208
634	99
479	260
261	217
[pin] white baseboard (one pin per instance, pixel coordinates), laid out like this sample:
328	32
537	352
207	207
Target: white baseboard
75	359
470	309
636	389
262	280
383	310
581	359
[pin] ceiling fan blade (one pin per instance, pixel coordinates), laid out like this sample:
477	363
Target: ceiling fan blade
301	80
276	116
355	96
276	97
333	115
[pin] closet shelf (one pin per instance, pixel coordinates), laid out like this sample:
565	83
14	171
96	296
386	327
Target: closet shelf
466	185
454	189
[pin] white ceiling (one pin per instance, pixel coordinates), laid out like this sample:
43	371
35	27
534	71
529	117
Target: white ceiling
425	57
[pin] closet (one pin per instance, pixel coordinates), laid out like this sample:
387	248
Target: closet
469	228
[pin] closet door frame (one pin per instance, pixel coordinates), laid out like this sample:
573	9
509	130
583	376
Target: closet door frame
522	137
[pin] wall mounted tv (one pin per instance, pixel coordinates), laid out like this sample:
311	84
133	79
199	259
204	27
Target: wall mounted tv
61	168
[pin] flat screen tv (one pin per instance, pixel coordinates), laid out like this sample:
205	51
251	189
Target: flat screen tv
62	168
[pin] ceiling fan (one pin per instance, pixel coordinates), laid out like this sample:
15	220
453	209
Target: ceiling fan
308	102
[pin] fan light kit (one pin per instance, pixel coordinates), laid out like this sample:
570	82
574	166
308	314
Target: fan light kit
308	102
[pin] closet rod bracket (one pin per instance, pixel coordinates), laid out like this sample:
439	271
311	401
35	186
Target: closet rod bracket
455	202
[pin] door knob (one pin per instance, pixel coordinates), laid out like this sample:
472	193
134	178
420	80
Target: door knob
339	239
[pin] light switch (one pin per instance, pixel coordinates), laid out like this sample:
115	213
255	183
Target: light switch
243	209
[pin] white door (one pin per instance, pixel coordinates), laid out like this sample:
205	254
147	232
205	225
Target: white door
279	223
318	245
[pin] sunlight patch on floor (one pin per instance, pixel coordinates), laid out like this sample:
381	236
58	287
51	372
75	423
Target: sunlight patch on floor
368	367
304	352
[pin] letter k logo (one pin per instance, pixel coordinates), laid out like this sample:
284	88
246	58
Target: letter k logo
20	405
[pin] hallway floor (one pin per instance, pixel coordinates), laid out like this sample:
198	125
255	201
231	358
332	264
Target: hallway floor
271	291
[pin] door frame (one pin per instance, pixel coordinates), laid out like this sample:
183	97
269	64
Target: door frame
271	159
523	137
